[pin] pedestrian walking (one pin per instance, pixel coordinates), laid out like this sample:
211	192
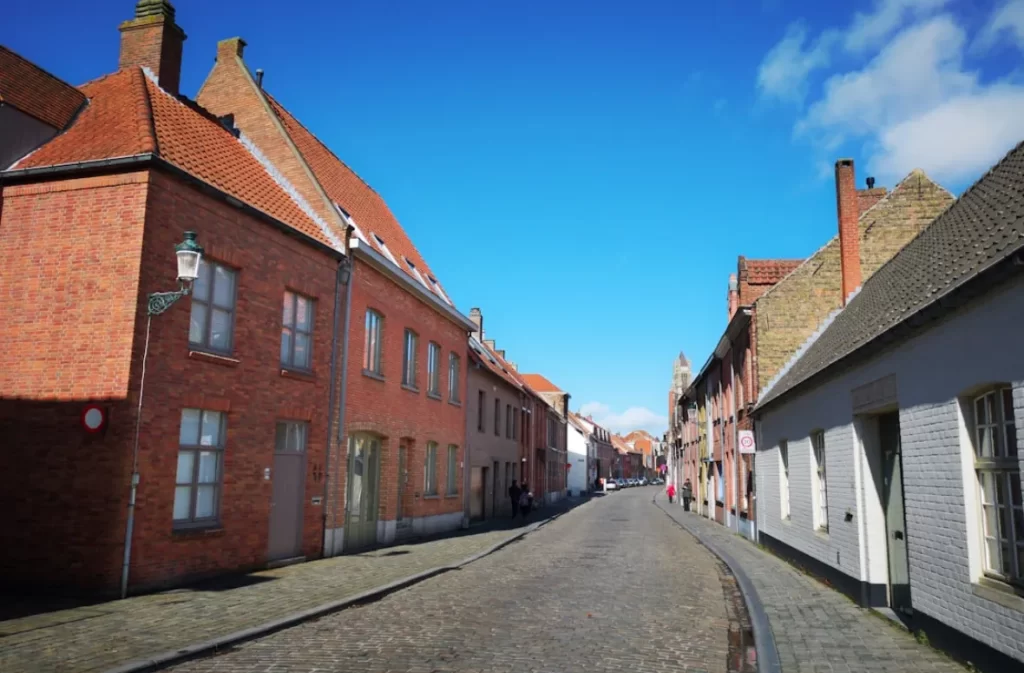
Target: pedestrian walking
687	495
671	492
525	500
513	494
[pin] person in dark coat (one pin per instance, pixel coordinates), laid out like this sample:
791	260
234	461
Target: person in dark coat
513	494
687	495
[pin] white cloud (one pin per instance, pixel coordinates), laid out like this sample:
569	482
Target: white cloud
634	418
1008	18
871	29
783	72
913	103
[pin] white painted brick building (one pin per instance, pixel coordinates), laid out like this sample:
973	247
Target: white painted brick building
933	332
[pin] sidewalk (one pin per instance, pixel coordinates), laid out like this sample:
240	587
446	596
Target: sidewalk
146	628
815	628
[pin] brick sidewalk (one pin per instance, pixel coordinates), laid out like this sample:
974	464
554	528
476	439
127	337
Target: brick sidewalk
102	636
816	628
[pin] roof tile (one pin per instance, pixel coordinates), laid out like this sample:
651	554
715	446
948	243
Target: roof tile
35	92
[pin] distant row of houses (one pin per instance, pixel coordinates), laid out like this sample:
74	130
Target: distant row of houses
860	412
307	389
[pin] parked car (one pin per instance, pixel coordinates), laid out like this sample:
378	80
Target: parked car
622	483
643	481
610	485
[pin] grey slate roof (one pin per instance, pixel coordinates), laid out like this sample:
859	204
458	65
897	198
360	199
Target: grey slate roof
982	228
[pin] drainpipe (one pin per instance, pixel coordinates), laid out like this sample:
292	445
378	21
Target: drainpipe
330	404
130	527
343	362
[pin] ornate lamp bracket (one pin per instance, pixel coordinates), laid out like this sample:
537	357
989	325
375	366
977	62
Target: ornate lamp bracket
161	301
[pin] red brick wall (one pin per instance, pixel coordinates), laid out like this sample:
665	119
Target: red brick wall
394	413
71	491
68	285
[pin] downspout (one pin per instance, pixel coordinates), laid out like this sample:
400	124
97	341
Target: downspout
341	393
130	526
330	405
736	455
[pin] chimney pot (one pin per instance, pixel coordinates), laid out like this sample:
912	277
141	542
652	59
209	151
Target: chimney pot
153	40
848	214
871	183
259	77
734	298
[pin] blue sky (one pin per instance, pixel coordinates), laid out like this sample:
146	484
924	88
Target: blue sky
587	172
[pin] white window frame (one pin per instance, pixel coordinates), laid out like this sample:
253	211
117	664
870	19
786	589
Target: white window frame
372	346
188	479
291	329
997	463
384	248
453	470
784	479
410	348
430	470
819	480
204	305
433	367
454	371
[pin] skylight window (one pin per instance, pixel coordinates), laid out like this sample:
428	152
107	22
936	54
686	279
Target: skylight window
415	272
384	248
439	291
348	220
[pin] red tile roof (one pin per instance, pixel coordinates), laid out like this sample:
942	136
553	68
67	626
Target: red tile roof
769	271
364	205
129	114
36	92
540	384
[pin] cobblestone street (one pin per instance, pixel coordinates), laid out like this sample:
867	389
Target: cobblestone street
588	592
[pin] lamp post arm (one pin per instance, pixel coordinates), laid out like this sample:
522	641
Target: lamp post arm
158	302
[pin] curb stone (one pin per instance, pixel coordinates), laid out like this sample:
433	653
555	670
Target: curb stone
171	657
768	660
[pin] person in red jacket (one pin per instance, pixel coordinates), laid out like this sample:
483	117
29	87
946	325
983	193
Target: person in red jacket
671	492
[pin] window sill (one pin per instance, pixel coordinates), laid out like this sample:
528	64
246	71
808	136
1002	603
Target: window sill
432	497
222	360
211	530
373	375
298	375
411	389
434	396
999	592
821	532
451	496
455	403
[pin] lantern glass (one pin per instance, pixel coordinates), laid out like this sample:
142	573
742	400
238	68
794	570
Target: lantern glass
189	253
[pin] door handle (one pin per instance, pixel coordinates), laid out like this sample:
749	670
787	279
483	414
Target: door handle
897	534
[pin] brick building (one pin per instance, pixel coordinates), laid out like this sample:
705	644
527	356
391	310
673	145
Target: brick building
307	398
404	422
231	442
773	307
890	455
496	424
547	458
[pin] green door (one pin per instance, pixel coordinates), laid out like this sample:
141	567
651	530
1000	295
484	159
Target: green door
362	495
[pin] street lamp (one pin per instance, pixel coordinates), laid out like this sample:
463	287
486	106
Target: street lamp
189	254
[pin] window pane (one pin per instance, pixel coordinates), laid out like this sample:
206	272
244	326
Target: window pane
992	555
289	310
188	435
201	286
197	323
980	415
985	441
298	437
182	502
286	346
1002	497
223	287
220	332
303	314
301	350
281	437
991	521
207	467
185	464
205	501
211	429
1007	405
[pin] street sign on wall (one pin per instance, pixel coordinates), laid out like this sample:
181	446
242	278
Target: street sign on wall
747	441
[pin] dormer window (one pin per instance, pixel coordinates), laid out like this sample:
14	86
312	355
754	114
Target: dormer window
415	271
348	220
384	248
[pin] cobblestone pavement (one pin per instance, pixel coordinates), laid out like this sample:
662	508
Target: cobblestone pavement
99	637
816	628
612	586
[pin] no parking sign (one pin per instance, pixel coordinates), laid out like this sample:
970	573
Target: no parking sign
747	441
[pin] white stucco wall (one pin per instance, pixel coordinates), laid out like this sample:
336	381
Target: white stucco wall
934	371
576	481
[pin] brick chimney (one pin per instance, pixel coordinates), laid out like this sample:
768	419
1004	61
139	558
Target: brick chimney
477	318
734	295
154	41
848	212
